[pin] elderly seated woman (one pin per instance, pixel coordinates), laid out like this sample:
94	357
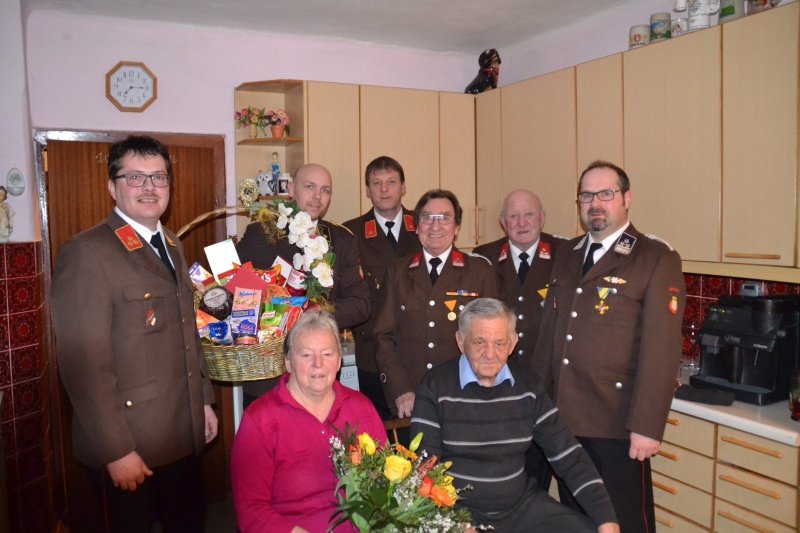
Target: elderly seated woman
281	470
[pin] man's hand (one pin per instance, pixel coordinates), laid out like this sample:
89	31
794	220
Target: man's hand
128	472
643	447
405	404
608	527
211	424
299	529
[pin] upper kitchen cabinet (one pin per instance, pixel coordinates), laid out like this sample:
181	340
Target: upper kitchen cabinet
599	111
672	117
489	164
403	124
333	141
760	128
539	145
457	158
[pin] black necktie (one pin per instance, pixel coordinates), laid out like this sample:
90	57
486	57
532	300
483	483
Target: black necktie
390	234
589	261
434	273
158	243
523	267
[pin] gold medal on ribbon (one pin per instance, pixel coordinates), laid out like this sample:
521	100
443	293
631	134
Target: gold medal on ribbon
451	305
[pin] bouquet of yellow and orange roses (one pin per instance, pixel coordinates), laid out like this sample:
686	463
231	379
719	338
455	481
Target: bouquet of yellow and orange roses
392	489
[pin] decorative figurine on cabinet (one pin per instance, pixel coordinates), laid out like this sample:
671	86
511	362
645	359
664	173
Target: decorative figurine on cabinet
486	79
265	184
6	216
276	168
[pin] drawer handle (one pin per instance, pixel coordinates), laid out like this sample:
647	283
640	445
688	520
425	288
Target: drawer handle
665	488
670	456
733	518
673	422
744	444
749	486
666	522
733	255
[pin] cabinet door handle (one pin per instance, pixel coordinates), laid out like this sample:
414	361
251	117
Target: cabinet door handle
746	523
670	456
734	255
755	447
665	488
673	422
666	522
749	486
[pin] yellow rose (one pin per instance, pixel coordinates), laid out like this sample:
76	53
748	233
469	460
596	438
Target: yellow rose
367	444
396	468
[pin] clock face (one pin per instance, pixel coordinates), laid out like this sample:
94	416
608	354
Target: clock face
131	86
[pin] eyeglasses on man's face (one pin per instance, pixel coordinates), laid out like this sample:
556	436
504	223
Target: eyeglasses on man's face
444	220
606	195
137	179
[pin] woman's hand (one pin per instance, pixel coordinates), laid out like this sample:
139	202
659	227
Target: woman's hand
298	529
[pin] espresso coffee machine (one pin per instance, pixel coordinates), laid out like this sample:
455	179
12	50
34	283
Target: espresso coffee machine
749	345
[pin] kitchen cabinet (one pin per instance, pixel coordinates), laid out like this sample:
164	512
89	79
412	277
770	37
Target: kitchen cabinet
539	148
760	137
489	164
672	117
599	111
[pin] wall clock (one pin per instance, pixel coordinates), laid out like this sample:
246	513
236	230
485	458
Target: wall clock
131	86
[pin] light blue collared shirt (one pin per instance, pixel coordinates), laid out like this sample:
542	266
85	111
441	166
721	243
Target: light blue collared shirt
467	376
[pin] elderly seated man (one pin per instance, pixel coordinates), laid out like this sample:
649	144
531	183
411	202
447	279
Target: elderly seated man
483	414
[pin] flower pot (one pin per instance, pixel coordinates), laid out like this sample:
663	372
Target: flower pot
277	131
253	132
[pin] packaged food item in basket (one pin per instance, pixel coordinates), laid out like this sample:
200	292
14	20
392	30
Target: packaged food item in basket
271	276
217	302
294	301
290	317
296	282
220	333
200	276
270	321
244	314
203	320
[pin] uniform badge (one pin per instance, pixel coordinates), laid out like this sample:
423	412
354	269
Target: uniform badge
370	229
615	280
128	237
169	241
458	259
601	307
503	253
543	292
415	261
150	318
625	244
360	270
408	220
602	293
544	250
673	305
451	305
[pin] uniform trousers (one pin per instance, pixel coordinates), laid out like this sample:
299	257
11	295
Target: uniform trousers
173	495
628	481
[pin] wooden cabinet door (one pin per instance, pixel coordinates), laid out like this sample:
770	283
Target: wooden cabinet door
539	147
599	111
489	164
759	150
457	158
403	124
332	140
672	141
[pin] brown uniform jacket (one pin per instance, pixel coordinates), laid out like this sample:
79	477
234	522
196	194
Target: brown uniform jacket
610	342
129	355
416	323
376	255
526	300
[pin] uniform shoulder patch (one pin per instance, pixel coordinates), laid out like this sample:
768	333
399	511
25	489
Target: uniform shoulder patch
659	239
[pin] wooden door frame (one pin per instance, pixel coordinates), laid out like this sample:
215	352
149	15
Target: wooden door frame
40	139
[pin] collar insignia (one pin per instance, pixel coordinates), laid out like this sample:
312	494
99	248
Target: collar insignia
169	241
625	244
370	229
503	252
408	220
458	258
580	242
128	237
544	250
415	261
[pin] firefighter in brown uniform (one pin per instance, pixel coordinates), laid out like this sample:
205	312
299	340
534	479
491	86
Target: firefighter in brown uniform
421	298
384	233
610	342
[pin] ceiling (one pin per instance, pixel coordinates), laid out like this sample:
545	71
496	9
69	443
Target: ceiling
460	26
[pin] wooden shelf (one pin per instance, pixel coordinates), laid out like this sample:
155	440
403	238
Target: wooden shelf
269	141
270	86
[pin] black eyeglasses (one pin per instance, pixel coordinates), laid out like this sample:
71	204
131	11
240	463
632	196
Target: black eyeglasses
606	195
136	179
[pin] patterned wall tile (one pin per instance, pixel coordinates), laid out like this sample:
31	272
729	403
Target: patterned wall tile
29	431
23	329
3	260
776	287
693	283
26	363
715	286
20	260
691	315
31	463
7	409
9	438
23	294
4	344
27	398
5	368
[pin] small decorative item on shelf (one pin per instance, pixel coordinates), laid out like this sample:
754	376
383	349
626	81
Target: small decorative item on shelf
253	118
278	122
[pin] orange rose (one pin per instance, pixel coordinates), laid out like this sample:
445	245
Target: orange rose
441	496
355	455
425	488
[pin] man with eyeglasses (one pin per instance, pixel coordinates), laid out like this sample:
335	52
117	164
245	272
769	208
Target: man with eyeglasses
384	233
420	300
610	342
129	355
312	188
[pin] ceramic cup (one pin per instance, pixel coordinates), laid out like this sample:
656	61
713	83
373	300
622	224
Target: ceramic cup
700	12
679	26
680	5
660	27
639	36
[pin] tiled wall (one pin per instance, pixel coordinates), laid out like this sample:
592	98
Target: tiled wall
23	417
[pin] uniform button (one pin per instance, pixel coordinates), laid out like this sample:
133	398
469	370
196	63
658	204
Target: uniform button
520	352
461	307
129	404
183	321
579	290
187	347
431	345
541	304
521	334
573	314
431	324
147	296
190	373
520	317
613	290
565	361
618	385
431	303
402	307
429	366
520	298
569	337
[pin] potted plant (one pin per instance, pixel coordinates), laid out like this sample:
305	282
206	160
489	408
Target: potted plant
278	122
253	118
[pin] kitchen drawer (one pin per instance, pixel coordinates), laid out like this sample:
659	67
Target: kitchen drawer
766	496
679	497
733	519
764	456
667	522
690	432
684	465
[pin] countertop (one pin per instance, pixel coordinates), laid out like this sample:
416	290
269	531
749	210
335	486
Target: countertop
771	421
